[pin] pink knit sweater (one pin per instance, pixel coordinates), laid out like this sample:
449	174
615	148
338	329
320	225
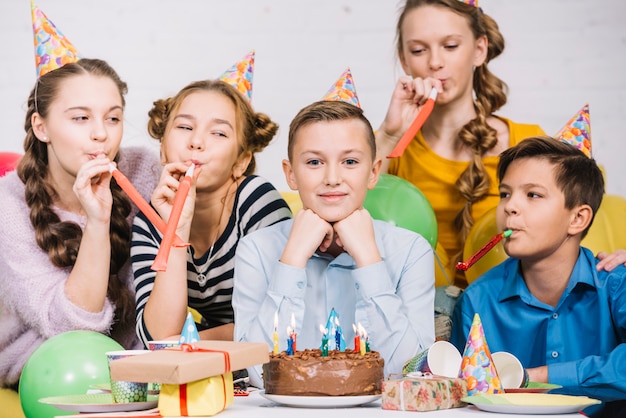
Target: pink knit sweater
33	304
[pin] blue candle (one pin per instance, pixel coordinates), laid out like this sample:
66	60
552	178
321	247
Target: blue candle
289	346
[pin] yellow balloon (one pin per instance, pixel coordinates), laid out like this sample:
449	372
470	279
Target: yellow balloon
293	200
444	272
607	233
482	231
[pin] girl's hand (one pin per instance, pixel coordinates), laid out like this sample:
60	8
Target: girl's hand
308	234
407	100
609	261
163	196
92	187
355	234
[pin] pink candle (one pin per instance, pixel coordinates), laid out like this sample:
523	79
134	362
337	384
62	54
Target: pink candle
141	203
293	332
160	261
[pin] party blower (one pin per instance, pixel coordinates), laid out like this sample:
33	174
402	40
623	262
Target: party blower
484	250
143	206
160	261
415	126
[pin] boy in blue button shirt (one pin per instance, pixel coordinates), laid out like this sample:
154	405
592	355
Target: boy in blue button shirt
547	304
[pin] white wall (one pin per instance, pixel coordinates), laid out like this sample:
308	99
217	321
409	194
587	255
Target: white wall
560	54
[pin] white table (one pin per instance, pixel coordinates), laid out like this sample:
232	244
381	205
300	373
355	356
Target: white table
255	405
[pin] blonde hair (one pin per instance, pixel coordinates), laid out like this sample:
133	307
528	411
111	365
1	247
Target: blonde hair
255	130
490	95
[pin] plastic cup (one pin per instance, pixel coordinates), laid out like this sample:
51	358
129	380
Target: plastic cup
510	370
127	392
159	345
441	359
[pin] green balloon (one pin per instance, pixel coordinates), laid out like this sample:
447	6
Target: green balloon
66	364
400	203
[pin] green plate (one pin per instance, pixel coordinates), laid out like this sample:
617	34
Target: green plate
530	403
534	387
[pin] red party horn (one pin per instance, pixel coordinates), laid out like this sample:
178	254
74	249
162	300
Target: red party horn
415	126
160	261
463	266
141	203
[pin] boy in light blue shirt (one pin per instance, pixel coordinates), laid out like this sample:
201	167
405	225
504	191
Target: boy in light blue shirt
333	254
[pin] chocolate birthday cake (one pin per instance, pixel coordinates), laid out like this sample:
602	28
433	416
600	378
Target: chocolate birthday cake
308	373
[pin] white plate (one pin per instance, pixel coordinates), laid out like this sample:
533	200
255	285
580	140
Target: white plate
320	401
530	403
97	402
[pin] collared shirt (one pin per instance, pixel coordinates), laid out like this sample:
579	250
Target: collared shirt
581	340
393	299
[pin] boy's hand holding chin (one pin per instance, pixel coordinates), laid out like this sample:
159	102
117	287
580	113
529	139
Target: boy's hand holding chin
355	234
308	234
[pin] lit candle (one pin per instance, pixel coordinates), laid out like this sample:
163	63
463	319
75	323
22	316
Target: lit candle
357	340
324	341
362	342
275	336
337	334
293	333
160	261
290	350
141	203
367	342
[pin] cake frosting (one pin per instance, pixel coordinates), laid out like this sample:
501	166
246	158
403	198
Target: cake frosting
307	373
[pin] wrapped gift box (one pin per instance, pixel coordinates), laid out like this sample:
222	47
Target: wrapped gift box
175	366
196	379
423	393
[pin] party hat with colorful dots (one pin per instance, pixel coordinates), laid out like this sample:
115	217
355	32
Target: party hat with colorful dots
240	75
577	131
189	334
343	90
52	49
470	2
477	367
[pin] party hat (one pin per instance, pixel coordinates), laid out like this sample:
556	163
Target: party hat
343	90
334	328
477	367
577	131
240	75
189	334
52	49
470	2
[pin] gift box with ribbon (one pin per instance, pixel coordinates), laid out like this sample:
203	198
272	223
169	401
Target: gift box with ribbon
423	392
196	378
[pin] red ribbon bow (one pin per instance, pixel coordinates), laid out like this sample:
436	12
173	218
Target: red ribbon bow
183	387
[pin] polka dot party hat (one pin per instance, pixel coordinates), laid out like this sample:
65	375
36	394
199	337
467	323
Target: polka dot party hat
577	131
189	334
240	75
52	49
343	90
477	367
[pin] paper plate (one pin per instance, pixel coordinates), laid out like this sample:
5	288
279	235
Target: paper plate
97	402
320	401
530	403
534	387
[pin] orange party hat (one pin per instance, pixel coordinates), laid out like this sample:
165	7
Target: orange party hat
240	75
577	131
52	49
477	367
470	2
343	90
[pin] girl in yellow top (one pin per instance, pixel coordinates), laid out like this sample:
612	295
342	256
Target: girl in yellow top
446	45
